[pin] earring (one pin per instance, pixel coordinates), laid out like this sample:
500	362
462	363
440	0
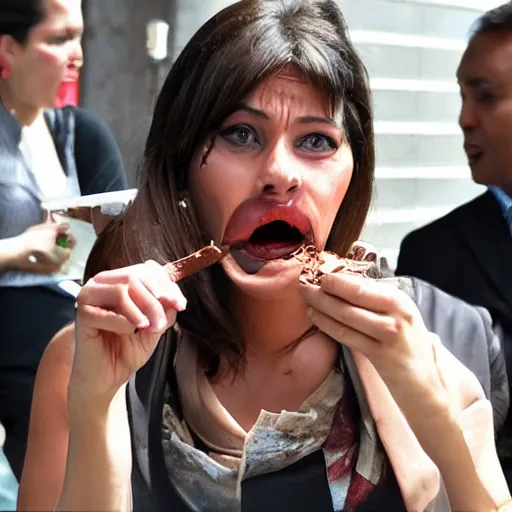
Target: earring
5	72
183	201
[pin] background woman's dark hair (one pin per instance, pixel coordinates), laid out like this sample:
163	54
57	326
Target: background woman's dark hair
227	59
19	17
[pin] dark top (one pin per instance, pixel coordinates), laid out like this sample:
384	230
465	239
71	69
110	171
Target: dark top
98	159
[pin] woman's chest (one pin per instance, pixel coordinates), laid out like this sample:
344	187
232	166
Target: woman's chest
292	384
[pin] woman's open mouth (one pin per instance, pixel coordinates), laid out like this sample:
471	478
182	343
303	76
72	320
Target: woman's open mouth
263	231
273	241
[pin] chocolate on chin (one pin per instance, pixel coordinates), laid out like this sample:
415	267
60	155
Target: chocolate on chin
317	264
204	258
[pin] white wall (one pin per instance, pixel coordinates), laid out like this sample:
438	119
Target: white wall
412	49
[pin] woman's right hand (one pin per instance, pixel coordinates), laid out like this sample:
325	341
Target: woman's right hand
37	249
121	315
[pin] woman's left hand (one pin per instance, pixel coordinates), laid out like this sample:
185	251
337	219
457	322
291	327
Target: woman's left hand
380	321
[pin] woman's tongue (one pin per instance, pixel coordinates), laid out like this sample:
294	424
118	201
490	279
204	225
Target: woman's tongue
270	250
272	243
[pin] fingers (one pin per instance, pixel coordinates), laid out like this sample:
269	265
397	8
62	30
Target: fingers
342	333
106	320
374	325
133	302
61	254
42	268
71	241
53	258
155	278
159	283
362	251
62	228
143	295
369	294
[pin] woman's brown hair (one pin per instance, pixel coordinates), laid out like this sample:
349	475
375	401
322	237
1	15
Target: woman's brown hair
227	59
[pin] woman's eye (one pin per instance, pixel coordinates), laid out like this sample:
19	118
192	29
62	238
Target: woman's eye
317	142
59	40
241	135
64	38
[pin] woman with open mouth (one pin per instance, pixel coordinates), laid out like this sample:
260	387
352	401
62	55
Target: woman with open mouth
242	388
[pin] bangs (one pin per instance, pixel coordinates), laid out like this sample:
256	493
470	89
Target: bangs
270	49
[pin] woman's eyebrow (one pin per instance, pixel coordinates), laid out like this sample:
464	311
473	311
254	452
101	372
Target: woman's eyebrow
251	110
302	120
317	119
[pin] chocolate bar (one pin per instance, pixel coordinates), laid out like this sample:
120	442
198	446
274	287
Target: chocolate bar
197	261
317	264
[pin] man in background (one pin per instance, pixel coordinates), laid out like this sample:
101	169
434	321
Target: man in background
468	253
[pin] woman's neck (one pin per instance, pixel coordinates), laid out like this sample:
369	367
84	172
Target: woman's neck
25	114
278	374
269	327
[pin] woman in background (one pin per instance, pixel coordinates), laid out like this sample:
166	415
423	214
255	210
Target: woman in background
45	154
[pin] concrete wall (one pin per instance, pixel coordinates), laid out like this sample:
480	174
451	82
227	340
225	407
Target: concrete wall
118	81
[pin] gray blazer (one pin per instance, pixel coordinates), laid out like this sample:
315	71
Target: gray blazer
467	332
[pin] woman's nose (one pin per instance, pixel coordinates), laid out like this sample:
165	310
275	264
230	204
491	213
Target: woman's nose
76	55
280	178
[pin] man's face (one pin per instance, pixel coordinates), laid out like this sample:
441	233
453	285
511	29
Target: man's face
485	79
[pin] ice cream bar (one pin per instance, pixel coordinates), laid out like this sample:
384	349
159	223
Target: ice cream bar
197	261
317	264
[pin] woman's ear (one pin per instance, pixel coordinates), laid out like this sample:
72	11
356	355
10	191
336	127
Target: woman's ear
9	50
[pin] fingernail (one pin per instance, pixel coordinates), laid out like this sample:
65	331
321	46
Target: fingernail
143	324
182	304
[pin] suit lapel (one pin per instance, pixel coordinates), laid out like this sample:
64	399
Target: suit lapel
485	231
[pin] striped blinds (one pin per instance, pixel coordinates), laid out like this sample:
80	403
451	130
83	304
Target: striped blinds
412	50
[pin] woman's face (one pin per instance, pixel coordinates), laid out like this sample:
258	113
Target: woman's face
275	179
51	55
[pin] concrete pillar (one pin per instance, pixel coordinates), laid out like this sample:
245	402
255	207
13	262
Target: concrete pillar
119	82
